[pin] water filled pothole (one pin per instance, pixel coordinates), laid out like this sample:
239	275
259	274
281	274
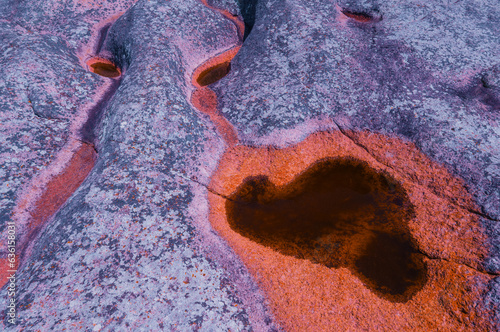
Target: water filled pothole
362	17
213	74
104	68
338	213
358	16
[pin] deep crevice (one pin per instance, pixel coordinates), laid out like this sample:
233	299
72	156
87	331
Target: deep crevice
248	9
88	130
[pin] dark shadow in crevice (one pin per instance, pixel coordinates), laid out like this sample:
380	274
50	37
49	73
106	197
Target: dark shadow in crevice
248	9
88	131
102	36
337	213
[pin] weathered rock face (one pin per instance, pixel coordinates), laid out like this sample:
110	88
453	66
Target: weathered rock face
125	251
410	71
130	190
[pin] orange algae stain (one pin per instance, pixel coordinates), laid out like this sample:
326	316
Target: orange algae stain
103	67
205	101
431	175
306	295
62	186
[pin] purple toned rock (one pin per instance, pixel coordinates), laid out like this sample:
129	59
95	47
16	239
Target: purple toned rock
133	247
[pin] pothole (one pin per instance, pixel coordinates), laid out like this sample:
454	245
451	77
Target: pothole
338	213
358	16
321	272
104	67
213	74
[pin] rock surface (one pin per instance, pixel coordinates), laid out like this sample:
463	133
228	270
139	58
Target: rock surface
410	87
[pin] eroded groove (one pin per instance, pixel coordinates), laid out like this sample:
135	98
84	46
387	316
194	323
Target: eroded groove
87	131
48	191
211	71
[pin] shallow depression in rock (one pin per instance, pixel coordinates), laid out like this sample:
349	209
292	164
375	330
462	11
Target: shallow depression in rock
213	74
338	213
358	16
105	69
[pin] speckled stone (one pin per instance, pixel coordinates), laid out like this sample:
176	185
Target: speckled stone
133	248
420	71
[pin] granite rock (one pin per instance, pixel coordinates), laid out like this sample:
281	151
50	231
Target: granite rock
411	87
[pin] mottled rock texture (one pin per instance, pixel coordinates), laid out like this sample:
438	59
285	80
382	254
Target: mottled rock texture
131	249
410	87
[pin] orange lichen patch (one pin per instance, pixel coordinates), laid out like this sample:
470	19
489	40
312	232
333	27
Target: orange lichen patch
307	295
402	155
62	186
214	69
205	100
103	67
